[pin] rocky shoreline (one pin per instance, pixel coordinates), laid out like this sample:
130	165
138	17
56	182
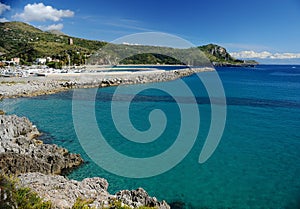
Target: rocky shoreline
63	193
37	166
21	151
34	86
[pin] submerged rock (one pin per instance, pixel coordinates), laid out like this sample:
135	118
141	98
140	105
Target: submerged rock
177	205
21	151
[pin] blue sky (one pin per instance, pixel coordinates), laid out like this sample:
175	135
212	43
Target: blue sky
255	26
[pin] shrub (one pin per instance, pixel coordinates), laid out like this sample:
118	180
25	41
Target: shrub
82	204
13	197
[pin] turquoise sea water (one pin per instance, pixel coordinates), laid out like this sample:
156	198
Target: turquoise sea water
256	165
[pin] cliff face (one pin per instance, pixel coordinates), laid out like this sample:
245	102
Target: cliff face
21	152
220	57
218	52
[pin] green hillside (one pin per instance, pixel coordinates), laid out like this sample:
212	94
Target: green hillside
21	40
27	42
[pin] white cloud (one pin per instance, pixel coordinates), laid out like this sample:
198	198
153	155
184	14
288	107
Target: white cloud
285	56
130	44
264	55
242	46
40	12
3	8
52	27
4	20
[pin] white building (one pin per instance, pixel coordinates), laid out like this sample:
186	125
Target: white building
16	60
41	61
49	59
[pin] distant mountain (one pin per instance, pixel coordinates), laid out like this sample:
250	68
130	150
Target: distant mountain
22	40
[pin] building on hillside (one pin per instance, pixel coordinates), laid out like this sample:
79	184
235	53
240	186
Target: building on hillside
49	59
55	60
70	41
41	61
16	60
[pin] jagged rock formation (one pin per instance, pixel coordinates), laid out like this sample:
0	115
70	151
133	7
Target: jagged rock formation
139	197
63	193
221	52
21	151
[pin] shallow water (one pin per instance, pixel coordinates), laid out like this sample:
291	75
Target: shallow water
256	165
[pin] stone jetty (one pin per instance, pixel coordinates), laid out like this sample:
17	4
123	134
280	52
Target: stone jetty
53	83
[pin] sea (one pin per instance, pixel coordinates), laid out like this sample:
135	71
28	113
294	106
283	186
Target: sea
256	164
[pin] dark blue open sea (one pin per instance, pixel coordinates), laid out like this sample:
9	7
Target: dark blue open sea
255	166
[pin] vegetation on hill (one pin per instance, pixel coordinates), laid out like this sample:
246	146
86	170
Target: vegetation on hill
13	197
28	43
114	54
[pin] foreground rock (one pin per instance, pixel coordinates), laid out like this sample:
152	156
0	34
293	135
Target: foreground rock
22	154
63	193
139	197
21	151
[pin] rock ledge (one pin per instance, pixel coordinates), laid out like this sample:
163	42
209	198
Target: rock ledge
21	151
63	193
